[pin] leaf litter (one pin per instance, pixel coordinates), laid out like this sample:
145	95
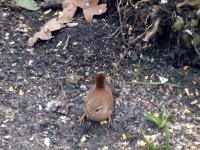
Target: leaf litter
90	8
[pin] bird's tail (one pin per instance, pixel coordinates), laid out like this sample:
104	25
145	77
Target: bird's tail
100	80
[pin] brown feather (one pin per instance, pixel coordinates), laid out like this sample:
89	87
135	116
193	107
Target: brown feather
100	80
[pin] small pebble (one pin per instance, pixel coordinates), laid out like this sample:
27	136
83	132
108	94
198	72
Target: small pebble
83	87
47	142
194	102
75	43
83	139
7	137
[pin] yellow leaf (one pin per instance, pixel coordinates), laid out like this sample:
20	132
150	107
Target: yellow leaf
141	143
25	30
194	3
186	110
124	137
190	126
10	89
21	93
186	68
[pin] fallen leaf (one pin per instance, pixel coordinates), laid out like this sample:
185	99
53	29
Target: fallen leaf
186	68
190	126
141	143
10	89
82	3
194	3
21	93
94	3
69	9
43	34
28	4
97	10
53	25
186	110
124	137
90	8
45	31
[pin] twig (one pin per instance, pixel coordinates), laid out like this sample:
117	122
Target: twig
151	33
138	70
181	4
67	42
140	36
113	34
197	51
122	58
154	83
135	6
120	20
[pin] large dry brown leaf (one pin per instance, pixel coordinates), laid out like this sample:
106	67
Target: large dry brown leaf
94	3
90	8
194	3
82	3
45	31
69	9
43	34
53	25
97	10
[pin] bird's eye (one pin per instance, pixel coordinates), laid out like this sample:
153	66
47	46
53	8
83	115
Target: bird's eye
99	108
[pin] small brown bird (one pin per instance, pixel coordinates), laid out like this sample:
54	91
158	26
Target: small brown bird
99	101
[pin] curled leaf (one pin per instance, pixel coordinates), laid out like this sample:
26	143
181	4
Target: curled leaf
84	4
69	9
97	10
194	3
45	31
90	8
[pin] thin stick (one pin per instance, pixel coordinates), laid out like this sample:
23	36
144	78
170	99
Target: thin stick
120	20
197	51
67	42
122	58
140	36
151	33
154	83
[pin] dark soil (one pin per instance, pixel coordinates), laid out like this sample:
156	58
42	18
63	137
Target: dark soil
42	88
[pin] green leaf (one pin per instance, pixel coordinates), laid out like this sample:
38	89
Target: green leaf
158	121
196	40
167	138
27	4
178	25
150	145
194	23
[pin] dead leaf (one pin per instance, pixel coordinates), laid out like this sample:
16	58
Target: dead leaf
97	10
84	4
194	3
69	9
45	31
90	8
94	3
53	25
42	34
